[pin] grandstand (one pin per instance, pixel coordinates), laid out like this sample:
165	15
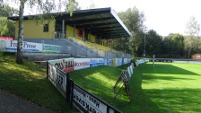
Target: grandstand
78	35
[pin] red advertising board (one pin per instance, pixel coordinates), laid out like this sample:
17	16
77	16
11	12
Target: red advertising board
6	38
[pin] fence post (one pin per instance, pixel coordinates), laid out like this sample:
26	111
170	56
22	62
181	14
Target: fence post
71	92
68	88
47	69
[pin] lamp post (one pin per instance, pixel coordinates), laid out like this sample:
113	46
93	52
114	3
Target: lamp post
144	52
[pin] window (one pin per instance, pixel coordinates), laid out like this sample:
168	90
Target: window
45	28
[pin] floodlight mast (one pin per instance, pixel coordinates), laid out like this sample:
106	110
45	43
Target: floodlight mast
144	52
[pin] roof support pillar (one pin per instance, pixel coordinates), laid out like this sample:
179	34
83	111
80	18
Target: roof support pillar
74	28
63	28
83	36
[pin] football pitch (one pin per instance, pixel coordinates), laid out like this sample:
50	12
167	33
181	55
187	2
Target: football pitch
175	87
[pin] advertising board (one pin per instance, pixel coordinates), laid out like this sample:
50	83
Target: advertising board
109	62
66	64
51	48
81	63
88	103
26	46
4	44
96	62
58	78
129	71
6	38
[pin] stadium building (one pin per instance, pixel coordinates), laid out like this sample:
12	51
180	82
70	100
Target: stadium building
81	35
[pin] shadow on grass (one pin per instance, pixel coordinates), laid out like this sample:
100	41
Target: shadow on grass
150	78
102	87
177	100
162	69
138	96
170	100
29	82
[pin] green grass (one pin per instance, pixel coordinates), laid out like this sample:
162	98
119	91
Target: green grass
1	53
100	81
169	87
29	82
173	86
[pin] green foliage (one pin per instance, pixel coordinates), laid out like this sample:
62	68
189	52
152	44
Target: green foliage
121	44
7	27
6	10
1	53
192	30
153	43
173	46
29	82
133	19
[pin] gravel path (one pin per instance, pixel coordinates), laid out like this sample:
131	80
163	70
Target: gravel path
10	103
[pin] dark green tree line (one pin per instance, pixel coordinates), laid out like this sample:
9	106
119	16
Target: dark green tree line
7	27
133	19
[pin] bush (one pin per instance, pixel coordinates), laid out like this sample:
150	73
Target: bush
1	53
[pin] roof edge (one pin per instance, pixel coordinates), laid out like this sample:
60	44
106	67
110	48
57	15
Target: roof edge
119	20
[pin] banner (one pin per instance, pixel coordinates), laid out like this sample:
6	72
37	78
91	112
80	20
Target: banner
96	62
81	63
58	78
66	64
51	48
129	71
88	103
6	38
11	46
4	44
131	68
26	46
109	62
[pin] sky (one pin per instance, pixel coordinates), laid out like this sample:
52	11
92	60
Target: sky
163	16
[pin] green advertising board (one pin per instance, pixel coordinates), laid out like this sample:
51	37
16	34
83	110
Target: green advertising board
51	48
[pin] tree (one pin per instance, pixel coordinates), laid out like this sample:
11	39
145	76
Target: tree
6	11
7	27
121	44
91	6
192	30
43	7
154	42
134	19
173	46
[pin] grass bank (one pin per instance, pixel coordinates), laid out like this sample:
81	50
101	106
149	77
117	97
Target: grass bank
169	87
100	81
29	82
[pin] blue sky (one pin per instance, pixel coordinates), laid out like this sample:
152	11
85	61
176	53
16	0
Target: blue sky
164	16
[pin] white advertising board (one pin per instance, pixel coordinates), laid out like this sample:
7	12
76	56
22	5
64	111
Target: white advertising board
26	46
58	78
4	44
132	65
131	68
81	63
89	103
66	64
129	71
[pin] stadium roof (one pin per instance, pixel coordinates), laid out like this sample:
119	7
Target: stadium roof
102	22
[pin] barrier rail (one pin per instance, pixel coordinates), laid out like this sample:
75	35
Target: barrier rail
76	95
